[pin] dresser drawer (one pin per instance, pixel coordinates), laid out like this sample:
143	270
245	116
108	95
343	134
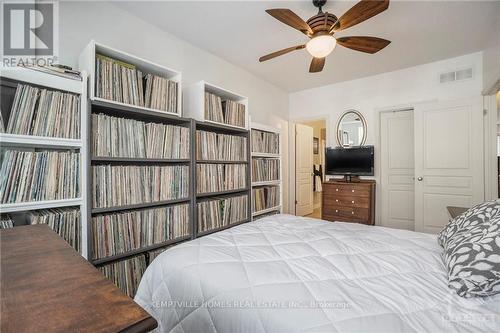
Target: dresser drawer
346	201
339	218
349	190
347	212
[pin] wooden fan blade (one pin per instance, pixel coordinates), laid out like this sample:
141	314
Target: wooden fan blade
317	65
364	43
281	52
290	18
360	12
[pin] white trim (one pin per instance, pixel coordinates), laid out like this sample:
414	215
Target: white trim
490	148
16	140
35	205
267	182
267	210
267	155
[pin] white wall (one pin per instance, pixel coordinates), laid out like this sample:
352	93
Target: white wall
80	22
491	61
391	90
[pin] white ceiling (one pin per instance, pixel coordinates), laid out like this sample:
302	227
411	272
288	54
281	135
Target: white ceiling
241	32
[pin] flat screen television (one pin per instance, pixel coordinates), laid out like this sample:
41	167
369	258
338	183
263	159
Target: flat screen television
354	161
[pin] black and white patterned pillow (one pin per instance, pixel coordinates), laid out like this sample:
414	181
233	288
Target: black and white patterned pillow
471	245
469	218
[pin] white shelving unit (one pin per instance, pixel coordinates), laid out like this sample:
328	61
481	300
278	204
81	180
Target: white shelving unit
50	81
277	183
87	62
194	101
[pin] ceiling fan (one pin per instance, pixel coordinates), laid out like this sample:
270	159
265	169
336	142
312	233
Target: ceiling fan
321	27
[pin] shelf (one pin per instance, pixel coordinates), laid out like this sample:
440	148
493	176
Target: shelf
35	205
46	80
269	182
138	206
126	110
220	162
213	194
103	159
266	155
194	103
215	126
267	210
211	231
132	253
87	62
16	140
264	128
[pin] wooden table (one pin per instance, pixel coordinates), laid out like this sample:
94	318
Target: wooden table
46	286
455	211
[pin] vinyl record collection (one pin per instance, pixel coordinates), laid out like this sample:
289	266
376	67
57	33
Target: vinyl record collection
265	197
216	147
225	112
43	112
126	274
36	176
6	222
265	142
122	82
118	185
126	231
155	253
219	212
118	81
220	177
121	137
265	169
161	93
64	221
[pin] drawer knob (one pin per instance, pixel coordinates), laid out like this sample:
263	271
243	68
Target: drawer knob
336	210
352	191
352	212
352	201
336	200
337	189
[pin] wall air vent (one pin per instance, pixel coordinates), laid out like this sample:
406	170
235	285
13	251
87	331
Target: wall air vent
458	75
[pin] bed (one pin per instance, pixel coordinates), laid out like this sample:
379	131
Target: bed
292	274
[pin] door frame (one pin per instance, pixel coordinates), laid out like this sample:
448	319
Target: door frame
291	154
490	147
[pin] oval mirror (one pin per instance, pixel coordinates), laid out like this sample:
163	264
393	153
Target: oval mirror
351	129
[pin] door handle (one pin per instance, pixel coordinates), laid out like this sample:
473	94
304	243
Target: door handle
420	179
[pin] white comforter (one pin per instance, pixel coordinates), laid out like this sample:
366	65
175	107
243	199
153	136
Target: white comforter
291	274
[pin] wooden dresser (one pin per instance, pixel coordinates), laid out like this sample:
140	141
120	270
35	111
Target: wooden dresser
48	287
349	202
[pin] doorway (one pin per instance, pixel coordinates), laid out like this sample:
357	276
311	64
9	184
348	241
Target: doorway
310	143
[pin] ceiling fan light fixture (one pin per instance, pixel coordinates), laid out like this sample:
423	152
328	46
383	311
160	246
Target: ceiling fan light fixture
321	46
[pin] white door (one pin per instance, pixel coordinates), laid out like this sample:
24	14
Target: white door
397	170
304	170
448	160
